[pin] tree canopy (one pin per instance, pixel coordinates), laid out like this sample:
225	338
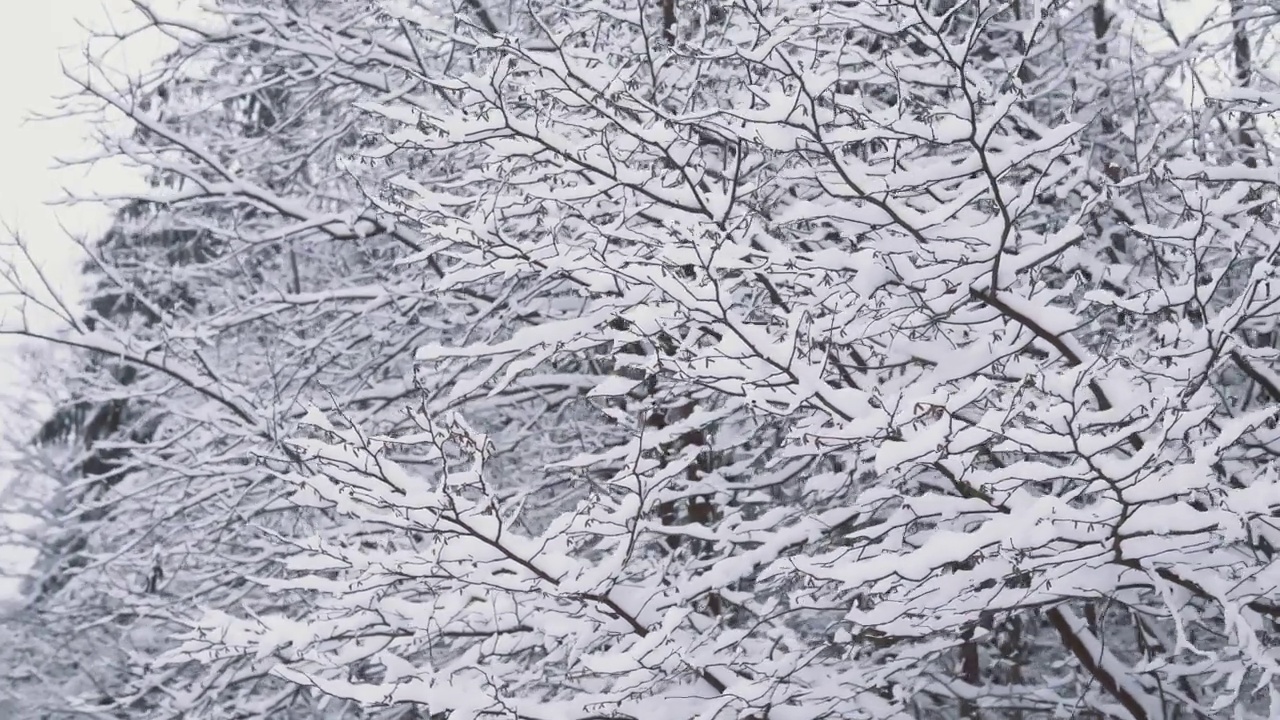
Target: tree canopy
753	359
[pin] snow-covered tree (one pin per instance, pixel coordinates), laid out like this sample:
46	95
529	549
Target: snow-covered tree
252	278
929	415
712	359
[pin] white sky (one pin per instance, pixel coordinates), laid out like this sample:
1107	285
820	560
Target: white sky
31	38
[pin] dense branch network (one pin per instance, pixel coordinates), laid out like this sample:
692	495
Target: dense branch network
692	359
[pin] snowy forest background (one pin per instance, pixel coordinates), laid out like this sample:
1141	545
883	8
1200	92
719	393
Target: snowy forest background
691	359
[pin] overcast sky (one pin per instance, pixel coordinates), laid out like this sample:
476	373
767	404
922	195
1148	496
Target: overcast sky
32	37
